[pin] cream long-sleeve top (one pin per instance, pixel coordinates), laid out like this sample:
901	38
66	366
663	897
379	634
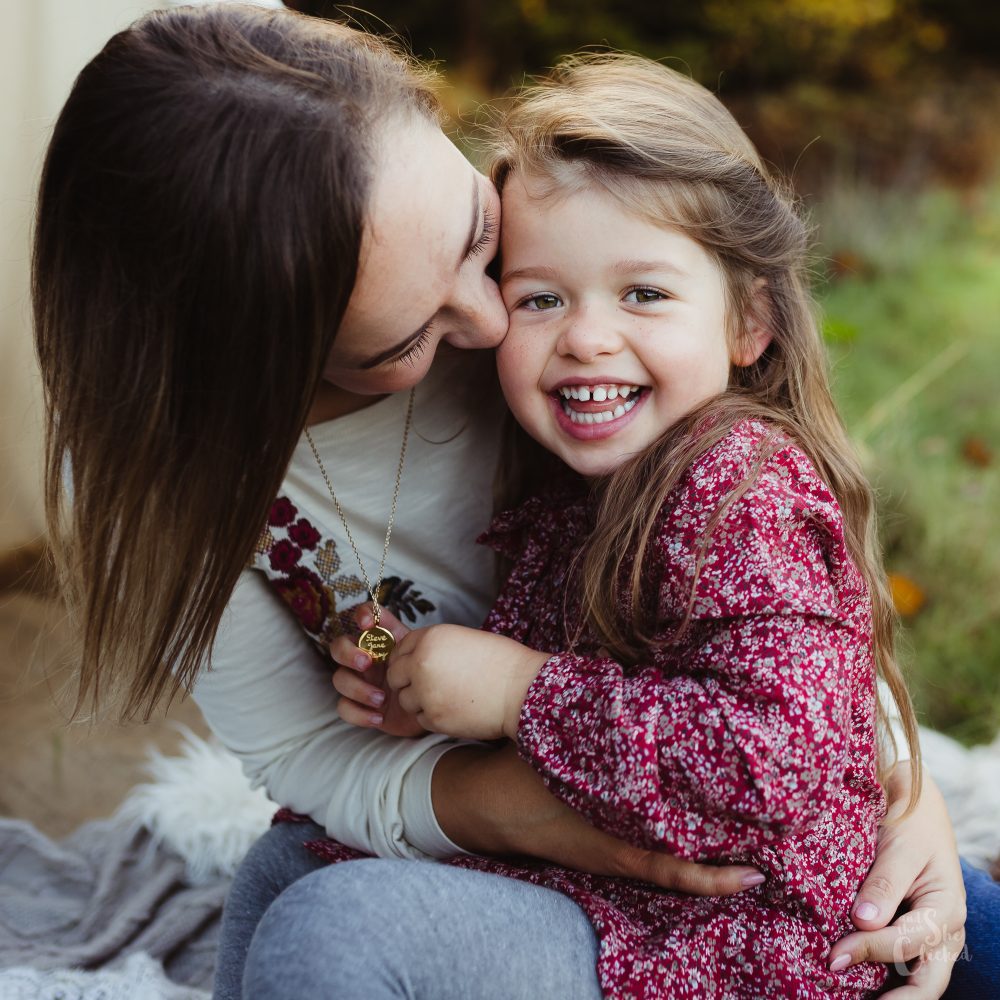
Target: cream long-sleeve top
267	692
268	695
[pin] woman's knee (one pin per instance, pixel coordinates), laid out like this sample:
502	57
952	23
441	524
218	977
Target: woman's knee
326	934
276	860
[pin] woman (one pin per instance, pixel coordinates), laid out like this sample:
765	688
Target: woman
249	223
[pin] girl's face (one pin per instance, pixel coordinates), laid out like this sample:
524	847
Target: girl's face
617	325
432	229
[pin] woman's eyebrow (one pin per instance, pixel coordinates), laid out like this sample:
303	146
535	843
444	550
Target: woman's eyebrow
466	253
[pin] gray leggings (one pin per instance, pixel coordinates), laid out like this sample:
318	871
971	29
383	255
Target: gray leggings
294	927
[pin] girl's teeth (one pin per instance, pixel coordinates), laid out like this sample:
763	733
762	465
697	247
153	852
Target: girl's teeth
598	393
602	416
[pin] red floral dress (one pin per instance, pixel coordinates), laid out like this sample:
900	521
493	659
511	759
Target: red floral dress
750	738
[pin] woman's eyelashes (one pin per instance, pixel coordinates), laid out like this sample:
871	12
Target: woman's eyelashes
490	229
413	352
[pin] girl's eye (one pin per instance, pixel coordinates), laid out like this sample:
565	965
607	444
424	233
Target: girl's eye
540	302
640	295
410	355
489	231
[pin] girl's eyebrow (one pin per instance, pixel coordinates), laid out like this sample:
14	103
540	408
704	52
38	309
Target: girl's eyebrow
539	271
627	266
633	266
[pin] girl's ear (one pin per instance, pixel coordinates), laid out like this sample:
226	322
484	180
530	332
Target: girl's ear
757	328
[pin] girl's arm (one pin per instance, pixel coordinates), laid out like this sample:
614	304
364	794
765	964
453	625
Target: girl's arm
744	748
748	744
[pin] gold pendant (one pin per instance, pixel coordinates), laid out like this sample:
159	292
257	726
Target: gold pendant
377	642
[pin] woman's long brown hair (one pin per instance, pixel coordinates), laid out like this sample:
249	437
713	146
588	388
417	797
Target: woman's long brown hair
198	228
669	151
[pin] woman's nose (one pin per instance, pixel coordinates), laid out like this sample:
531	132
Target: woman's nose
482	317
588	334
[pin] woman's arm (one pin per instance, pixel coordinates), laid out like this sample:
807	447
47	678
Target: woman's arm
267	696
490	801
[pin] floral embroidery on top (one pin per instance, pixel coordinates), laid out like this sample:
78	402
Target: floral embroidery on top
304	569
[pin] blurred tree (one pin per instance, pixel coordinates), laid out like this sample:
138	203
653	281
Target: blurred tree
756	43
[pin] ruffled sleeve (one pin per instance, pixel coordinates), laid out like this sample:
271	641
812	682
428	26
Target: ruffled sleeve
735	732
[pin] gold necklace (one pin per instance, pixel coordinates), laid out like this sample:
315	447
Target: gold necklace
376	641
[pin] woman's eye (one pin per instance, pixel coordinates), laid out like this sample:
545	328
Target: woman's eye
410	355
539	303
490	229
641	295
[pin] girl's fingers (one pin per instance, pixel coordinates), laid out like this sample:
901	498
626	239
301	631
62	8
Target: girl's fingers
351	686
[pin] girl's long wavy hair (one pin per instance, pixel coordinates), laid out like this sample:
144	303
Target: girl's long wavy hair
669	151
201	210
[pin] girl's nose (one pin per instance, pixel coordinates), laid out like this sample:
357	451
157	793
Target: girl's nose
588	334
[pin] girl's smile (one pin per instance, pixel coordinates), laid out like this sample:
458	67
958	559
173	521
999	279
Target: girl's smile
596	409
617	324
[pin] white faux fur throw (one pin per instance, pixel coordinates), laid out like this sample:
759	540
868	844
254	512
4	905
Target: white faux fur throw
200	805
139	977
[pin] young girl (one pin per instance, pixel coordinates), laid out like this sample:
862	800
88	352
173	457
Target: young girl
687	645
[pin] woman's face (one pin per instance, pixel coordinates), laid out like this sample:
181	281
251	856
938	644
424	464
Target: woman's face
432	229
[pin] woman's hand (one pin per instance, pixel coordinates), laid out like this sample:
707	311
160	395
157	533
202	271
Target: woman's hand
366	699
917	864
489	801
463	682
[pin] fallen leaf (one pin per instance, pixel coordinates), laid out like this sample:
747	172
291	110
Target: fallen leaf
977	452
908	596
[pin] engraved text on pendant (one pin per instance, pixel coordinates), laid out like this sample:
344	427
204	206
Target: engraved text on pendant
377	642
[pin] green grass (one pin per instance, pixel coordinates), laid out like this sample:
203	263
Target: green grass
913	322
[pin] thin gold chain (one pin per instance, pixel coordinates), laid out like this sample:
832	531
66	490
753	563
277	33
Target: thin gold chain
376	610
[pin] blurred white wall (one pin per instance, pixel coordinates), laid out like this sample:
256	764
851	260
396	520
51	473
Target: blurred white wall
43	45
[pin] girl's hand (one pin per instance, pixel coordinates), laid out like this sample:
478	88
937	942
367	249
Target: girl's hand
917	864
463	682
366	700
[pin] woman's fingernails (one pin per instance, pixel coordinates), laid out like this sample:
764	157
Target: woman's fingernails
377	698
361	661
753	879
375	719
866	911
840	963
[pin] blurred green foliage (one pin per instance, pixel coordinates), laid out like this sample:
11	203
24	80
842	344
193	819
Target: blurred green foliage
918	279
